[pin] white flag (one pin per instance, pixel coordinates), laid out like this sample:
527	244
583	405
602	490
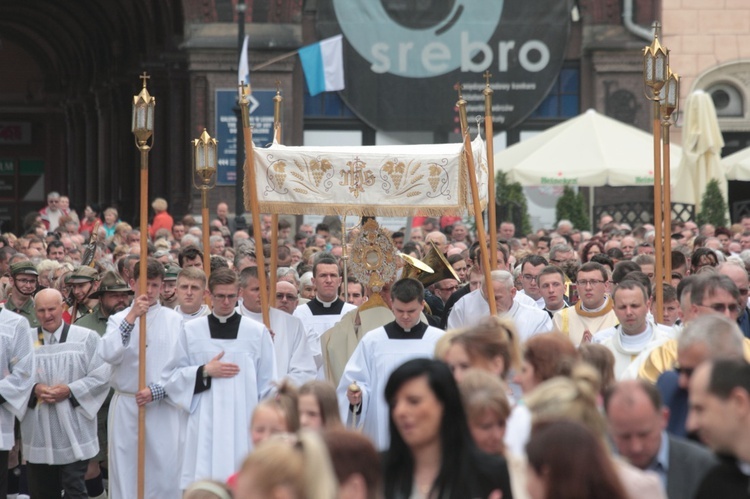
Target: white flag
243	72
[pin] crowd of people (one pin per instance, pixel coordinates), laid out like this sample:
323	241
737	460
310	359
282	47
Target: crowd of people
395	382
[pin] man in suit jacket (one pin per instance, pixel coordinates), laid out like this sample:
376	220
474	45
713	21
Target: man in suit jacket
720	414
637	423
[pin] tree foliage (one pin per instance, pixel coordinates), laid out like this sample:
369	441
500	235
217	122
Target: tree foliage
572	206
511	203
713	206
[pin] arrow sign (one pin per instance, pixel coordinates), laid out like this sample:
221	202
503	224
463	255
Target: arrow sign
253	104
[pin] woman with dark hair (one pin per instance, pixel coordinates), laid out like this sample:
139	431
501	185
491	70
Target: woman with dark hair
591	248
555	472
432	454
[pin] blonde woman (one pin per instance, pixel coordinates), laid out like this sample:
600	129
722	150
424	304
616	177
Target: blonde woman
288	467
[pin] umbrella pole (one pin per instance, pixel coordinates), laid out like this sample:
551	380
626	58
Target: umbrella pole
658	207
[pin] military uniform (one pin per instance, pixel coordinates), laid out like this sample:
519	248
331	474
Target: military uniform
81	275
94	320
27	311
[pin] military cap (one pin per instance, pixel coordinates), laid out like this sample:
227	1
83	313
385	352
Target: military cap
25	267
171	271
82	274
111	282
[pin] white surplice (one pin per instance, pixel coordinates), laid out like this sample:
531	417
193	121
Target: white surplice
294	359
64	433
163	421
315	327
217	437
370	366
16	379
472	308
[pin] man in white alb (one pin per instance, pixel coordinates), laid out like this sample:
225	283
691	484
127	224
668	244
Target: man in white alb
70	384
223	365
294	359
529	319
120	348
378	354
191	293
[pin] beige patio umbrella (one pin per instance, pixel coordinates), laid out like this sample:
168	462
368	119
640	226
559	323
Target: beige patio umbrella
701	151
737	165
589	150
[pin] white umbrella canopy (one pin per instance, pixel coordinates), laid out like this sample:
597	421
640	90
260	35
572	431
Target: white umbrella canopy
589	150
737	165
701	151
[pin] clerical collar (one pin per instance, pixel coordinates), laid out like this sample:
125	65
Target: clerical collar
222	318
318	307
396	332
598	309
326	304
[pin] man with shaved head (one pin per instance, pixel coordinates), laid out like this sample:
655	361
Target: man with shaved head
59	430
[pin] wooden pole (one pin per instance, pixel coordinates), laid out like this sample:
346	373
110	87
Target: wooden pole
251	192
489	135
275	217
206	229
142	283
667	201
658	219
274	261
481	234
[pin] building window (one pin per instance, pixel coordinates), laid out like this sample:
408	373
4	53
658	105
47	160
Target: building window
563	100
727	100
326	105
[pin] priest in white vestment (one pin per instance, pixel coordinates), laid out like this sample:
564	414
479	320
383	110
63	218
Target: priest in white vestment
70	384
223	365
120	347
470	309
635	333
16	380
294	359
378	354
322	312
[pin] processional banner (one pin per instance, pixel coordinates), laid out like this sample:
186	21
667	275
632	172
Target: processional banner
431	179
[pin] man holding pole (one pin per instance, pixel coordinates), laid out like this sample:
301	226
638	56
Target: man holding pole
120	348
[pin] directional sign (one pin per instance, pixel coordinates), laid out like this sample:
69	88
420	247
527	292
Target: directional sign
261	121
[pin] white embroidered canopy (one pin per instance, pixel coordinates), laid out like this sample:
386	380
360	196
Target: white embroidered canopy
431	179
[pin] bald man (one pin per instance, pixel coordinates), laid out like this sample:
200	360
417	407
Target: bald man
70	385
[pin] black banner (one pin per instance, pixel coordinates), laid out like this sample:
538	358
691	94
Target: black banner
402	58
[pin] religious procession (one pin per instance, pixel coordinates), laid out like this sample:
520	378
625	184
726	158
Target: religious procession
376	316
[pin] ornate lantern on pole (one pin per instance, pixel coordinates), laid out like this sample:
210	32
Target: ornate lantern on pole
664	95
143	129
204	171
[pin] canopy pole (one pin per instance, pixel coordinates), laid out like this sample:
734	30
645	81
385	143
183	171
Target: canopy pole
252	193
481	234
489	137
